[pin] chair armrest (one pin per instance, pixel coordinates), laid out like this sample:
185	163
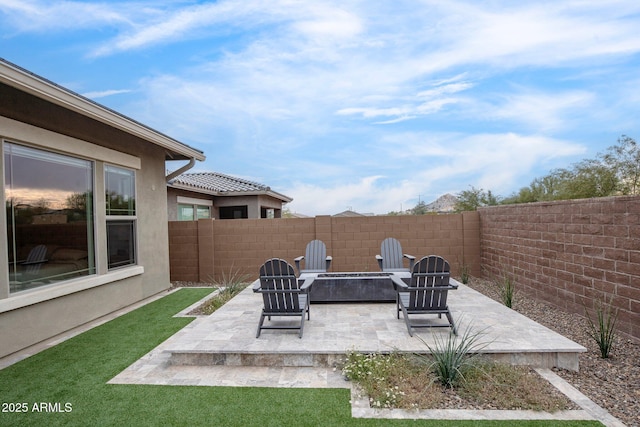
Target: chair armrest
379	259
256	285
328	260
412	260
430	288
306	284
297	261
398	284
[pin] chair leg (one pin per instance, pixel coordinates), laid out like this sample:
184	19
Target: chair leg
453	326
406	319
260	326
301	326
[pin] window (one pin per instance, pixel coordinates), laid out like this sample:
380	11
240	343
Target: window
233	212
50	216
204	212
121	243
186	212
120	195
267	213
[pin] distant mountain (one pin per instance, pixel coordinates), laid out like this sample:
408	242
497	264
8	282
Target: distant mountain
445	203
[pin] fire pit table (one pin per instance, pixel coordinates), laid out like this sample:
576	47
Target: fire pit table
354	286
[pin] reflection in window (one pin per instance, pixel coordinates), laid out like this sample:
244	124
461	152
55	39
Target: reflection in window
204	212
121	243
120	189
49	205
186	212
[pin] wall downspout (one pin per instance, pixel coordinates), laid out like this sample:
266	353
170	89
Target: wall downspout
180	171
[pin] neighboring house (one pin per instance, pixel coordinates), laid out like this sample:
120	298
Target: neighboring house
85	231
193	196
350	213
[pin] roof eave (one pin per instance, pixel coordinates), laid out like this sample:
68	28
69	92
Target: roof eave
270	193
19	78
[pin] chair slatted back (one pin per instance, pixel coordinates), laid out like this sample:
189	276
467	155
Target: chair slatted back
34	260
279	280
431	275
391	252
315	256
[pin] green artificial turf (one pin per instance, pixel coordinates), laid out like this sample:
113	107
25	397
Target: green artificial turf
70	379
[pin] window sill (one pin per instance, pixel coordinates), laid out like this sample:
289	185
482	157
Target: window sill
45	293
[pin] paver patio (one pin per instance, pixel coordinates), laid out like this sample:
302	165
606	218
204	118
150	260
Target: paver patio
227	339
221	350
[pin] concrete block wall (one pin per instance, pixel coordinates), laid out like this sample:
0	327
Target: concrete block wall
223	247
572	254
183	251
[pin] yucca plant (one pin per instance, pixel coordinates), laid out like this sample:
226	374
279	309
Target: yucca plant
464	274
230	285
603	331
452	356
506	289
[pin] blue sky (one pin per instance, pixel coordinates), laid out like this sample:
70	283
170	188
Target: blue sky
363	105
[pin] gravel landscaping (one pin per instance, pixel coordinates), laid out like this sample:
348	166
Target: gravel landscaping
612	383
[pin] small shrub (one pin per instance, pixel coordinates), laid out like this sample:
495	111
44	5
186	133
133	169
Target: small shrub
451	357
604	331
464	274
506	289
230	286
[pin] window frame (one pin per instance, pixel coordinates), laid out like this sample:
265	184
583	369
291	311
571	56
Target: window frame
194	204
131	218
27	151
39	138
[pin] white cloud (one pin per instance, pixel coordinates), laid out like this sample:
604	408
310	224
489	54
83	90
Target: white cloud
105	93
45	16
423	103
365	195
537	109
489	94
429	165
329	23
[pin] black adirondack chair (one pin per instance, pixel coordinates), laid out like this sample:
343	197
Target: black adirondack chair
283	295
391	257
426	293
315	258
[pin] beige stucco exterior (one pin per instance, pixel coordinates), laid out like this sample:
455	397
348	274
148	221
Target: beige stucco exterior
36	113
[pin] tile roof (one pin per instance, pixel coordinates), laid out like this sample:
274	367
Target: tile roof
214	181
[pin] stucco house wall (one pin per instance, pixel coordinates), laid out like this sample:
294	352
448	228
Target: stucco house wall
42	115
